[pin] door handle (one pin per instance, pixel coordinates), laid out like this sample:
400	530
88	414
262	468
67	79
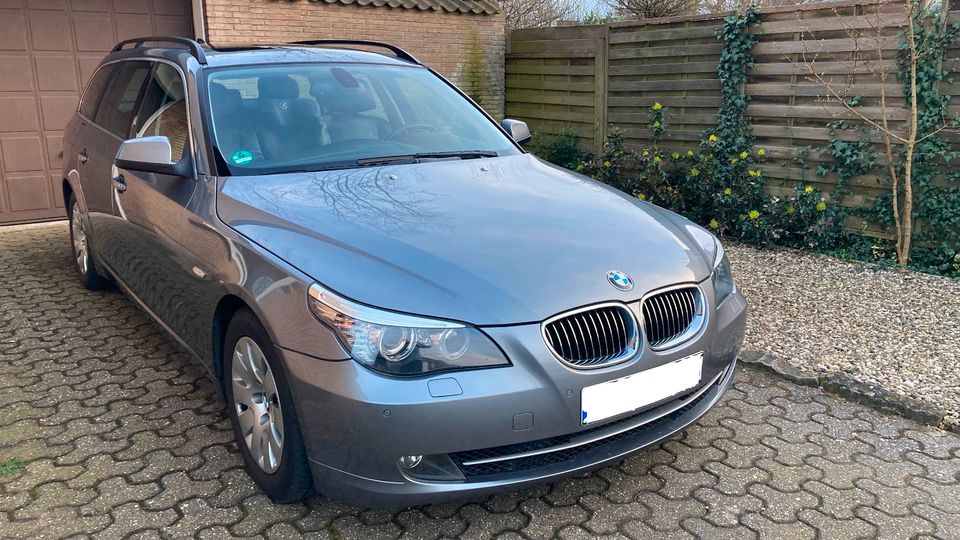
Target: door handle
82	156
120	183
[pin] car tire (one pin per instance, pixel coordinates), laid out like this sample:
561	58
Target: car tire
262	412
83	258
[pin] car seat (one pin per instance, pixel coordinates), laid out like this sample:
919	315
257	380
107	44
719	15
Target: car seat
345	107
289	125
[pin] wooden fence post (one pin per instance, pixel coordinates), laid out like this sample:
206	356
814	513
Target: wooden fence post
602	45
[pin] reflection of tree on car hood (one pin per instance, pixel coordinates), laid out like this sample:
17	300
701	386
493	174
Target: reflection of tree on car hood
491	241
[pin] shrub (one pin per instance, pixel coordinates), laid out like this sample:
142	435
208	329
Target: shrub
806	220
726	195
562	149
611	166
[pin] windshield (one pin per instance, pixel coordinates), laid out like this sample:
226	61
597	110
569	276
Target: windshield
303	117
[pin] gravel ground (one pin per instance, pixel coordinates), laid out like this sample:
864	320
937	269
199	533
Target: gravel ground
899	330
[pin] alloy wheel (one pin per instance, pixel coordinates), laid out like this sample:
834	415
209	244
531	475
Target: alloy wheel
257	405
80	250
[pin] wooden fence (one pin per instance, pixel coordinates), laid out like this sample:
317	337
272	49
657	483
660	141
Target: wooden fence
556	79
596	78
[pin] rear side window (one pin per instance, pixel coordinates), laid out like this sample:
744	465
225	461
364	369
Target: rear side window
163	110
91	97
119	102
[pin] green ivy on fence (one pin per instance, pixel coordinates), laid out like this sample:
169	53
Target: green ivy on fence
734	130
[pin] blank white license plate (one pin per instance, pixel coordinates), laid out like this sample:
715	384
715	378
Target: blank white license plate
630	393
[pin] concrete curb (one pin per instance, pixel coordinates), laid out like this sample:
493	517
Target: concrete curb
844	385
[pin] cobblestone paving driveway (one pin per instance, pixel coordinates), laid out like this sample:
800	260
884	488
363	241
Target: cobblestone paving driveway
121	434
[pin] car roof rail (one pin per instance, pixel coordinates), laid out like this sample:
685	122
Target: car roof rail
195	48
400	53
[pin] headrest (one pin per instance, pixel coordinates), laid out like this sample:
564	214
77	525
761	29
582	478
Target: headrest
337	99
225	98
277	87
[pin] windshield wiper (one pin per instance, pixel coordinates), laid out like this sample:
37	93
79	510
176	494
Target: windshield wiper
462	154
416	158
385	160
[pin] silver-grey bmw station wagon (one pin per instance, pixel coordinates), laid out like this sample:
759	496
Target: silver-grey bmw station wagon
398	303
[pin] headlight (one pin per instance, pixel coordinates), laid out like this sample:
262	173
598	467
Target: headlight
723	284
402	344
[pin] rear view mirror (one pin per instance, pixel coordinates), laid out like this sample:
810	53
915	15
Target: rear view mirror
517	129
150	154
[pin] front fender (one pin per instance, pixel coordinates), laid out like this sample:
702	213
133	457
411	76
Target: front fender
277	294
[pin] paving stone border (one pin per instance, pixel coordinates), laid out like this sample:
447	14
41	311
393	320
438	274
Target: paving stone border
841	384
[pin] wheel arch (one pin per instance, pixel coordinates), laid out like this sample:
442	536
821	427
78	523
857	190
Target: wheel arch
67	191
226	308
229	304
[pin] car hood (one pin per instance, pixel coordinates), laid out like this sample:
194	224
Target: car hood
487	241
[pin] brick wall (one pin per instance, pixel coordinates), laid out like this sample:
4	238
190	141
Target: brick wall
444	41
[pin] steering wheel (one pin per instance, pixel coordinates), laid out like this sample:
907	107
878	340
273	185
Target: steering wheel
413	128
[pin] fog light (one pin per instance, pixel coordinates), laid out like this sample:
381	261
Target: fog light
409	462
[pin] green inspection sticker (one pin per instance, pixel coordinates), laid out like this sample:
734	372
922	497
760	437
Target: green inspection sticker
242	157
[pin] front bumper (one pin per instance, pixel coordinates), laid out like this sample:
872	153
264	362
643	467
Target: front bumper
357	423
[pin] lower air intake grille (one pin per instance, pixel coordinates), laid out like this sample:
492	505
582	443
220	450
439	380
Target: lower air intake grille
671	317
501	461
594	337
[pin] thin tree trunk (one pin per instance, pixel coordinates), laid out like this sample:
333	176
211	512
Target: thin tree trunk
894	191
888	148
906	216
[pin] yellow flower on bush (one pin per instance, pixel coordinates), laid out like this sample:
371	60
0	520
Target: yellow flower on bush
821	206
694	171
755	173
690	153
728	191
791	210
606	164
641	196
744	154
712	138
714	224
754	214
580	167
657	159
761	152
676	155
808	189
657	106
646	154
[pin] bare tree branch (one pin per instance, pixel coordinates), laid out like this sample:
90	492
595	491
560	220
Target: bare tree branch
651	9
540	13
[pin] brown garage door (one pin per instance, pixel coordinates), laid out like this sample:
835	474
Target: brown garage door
48	50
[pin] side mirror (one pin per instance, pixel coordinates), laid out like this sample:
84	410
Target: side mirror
150	155
517	129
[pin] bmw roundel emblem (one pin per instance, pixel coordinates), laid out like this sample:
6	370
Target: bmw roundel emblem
620	280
